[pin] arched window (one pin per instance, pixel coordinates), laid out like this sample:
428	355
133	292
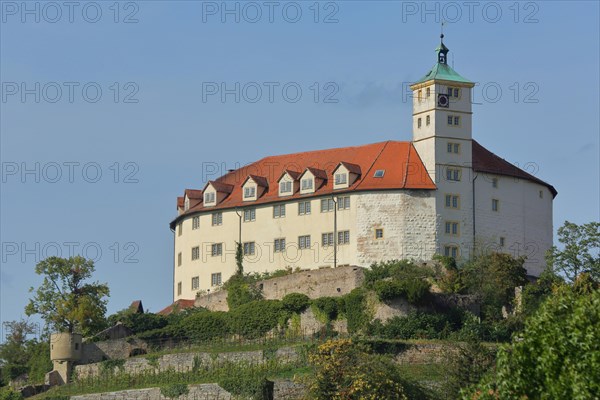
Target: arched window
419	123
428	92
420	95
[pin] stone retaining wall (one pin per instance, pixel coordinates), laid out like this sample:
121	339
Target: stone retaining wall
209	391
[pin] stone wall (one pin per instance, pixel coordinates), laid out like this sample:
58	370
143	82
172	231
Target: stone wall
209	391
314	283
111	350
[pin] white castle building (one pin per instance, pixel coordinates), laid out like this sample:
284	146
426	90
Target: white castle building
441	193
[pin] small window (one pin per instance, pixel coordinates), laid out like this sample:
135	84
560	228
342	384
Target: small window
180	229
541	194
216	249
209	197
217	218
250	215
379	173
195	283
502	240
343	203
379	233
186	205
420	95
195	253
279	211
179	259
427	120
285	187
495	205
326	205
451	251
178	288
343	237
453	174
304	242
453	148
456	121
215	279
452	201
452	228
419	123
304	207
341	179
495	182
279	245
249	248
195	222
307	184
249	192
327	239
450	119
428	92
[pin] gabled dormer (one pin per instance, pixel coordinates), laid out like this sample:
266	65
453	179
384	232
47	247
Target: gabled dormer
311	180
288	182
345	174
215	192
253	187
180	205
191	198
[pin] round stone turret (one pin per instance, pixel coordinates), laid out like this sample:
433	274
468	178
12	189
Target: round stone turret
65	346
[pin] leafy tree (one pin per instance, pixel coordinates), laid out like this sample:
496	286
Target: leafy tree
241	290
295	302
557	354
466	363
65	300
13	352
581	251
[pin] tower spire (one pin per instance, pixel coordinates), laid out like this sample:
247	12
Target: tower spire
442	50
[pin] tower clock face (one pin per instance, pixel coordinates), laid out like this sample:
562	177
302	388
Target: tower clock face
443	100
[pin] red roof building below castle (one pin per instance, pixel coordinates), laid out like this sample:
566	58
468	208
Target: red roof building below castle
179	305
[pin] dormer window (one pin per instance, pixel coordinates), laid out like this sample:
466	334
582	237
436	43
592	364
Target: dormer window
285	187
379	173
186	204
249	192
307	184
209	197
341	179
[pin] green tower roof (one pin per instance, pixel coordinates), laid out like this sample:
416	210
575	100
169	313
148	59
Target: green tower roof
441	70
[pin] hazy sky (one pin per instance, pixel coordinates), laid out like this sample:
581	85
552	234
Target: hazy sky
110	110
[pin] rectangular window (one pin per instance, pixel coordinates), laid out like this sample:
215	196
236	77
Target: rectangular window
420	95
195	222
249	248
379	233
343	203
419	123
326	205
453	174
209	197
452	201
428	92
495	205
453	148
249	192
502	240
451	251
179	259
456	92
217	218
341	179
285	187
307	184
304	242
450	119
343	237
180	229
495	182
216	249
456	121
453	92
279	245
250	215
195	253
327	239
178	288
452	228
379	173
279	211
304	207
215	279
195	283
541	194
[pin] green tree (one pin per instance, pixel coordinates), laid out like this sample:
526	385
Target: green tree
13	352
65	300
580	253
557	354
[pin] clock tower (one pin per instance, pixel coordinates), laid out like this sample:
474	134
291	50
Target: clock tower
442	137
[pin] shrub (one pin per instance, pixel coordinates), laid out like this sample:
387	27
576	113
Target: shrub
467	363
255	319
397	269
174	390
416	325
7	393
355	310
241	290
326	307
203	326
389	290
414	290
295	302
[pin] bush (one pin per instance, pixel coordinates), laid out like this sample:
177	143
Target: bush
203	326
241	290
397	269
327	307
416	325
414	290
355	309
389	290
255	319
174	390
295	302
7	393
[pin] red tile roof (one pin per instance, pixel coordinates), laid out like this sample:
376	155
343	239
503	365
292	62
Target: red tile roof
293	174
193	194
180	202
221	186
355	169
487	162
403	170
259	180
180	304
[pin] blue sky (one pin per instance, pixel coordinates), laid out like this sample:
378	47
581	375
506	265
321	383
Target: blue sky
159	129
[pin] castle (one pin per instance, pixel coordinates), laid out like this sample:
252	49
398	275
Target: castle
441	193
